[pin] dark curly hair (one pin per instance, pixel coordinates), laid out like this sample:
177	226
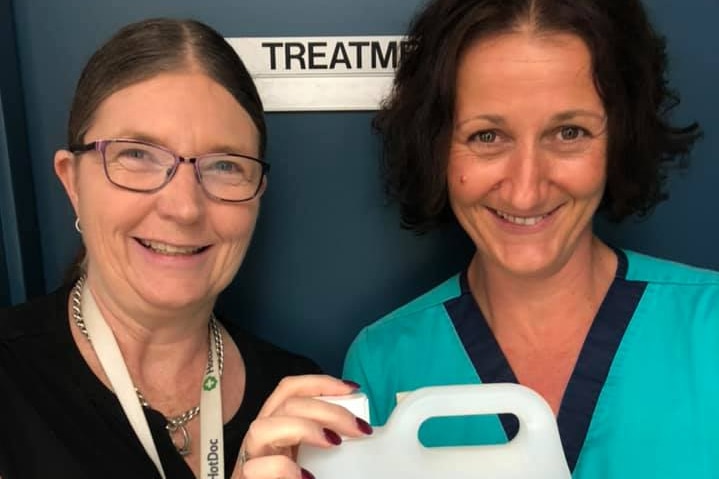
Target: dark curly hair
629	68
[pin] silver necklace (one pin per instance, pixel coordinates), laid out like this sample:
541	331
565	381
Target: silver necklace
175	424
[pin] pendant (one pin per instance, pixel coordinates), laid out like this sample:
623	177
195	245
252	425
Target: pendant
172	429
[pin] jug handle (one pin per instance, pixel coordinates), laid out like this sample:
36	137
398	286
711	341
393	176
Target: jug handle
537	431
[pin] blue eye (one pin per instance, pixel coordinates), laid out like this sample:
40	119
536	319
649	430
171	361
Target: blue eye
137	156
134	153
143	155
226	166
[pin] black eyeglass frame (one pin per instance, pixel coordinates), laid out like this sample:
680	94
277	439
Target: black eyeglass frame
101	145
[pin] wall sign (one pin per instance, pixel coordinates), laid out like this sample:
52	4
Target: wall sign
321	73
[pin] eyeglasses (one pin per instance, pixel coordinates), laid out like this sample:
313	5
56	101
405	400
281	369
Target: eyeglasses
145	168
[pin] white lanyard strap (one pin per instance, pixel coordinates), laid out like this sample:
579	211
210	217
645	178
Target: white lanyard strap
211	433
108	352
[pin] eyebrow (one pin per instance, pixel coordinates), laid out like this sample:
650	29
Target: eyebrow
494	119
136	135
568	115
559	117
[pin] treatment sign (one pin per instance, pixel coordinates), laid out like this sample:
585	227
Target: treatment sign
321	73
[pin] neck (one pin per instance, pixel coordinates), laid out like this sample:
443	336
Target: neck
549	304
163	350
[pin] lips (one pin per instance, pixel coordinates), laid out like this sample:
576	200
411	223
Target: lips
171	250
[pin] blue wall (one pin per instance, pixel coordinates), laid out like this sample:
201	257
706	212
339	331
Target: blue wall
20	260
328	256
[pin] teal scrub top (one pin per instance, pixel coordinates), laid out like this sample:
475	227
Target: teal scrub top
642	401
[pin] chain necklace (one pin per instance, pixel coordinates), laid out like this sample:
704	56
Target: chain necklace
175	424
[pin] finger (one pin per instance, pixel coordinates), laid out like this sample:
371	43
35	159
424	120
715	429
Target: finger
280	467
328	415
307	385
279	434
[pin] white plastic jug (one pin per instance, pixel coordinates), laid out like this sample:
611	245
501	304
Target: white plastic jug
394	451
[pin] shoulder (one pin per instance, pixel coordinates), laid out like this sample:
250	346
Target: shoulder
398	352
32	318
265	366
675	291
670	273
408	329
415	314
272	359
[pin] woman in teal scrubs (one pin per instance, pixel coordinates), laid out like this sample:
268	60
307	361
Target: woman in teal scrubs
520	120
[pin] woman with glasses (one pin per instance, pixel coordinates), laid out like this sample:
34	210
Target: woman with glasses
126	372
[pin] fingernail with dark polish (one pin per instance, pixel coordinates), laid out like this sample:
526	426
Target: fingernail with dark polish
351	384
363	425
332	436
307	474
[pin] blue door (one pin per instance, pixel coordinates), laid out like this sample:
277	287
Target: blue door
328	255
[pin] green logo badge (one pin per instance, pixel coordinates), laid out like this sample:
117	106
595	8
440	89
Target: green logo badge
210	383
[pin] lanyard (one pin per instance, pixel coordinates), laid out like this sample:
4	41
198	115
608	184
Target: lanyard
212	464
212	450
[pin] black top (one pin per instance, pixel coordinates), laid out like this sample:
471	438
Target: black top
57	419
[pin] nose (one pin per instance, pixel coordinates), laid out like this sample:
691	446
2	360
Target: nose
182	199
526	178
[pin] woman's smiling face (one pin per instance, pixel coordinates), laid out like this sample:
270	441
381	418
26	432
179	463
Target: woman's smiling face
175	247
527	162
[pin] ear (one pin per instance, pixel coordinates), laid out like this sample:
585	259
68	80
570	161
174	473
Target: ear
263	187
66	171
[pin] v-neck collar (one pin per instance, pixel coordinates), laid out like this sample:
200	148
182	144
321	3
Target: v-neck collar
589	373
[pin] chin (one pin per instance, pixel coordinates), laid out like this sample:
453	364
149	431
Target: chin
175	301
170	295
530	263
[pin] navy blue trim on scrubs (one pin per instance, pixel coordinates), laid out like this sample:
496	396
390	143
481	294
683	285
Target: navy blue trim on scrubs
481	346
590	372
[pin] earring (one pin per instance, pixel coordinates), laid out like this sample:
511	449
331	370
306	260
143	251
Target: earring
77	225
